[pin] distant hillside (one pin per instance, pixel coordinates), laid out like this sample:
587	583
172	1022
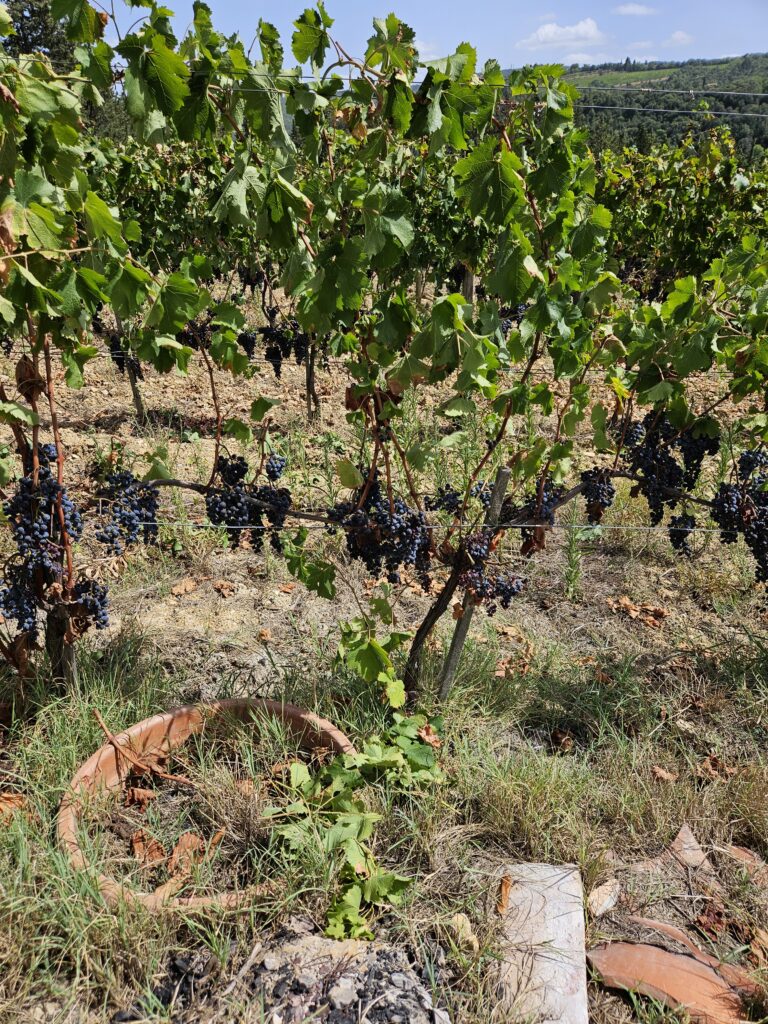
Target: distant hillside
607	85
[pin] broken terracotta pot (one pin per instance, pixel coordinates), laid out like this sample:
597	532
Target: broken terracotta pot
157	737
674	979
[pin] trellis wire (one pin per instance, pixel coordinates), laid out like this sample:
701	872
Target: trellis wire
339	527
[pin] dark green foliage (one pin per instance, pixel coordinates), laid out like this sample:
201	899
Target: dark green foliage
37	32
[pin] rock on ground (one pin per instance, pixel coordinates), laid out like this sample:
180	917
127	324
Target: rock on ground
301	975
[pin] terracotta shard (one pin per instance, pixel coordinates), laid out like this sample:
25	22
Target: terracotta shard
755	866
152	741
687	851
735	976
674	979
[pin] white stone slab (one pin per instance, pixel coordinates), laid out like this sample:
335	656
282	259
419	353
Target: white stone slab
542	970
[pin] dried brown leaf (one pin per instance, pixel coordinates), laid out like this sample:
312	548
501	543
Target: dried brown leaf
146	849
714	769
10	804
139	797
662	775
562	740
188	851
185	586
503	900
428	735
224	587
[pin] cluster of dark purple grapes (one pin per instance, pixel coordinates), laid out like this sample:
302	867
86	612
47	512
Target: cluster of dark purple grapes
231	509
446	499
251	278
17	599
482	492
34	514
455	278
385	533
693	450
599	493
239	508
92	599
648	453
275	467
247	340
649	449
754	461
280	341
133	512
123	358
6	344
278	501
743	508
233	469
197	333
489	589
539	508
511	315
681	530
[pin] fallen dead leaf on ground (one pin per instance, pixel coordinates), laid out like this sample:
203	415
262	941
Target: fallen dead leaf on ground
754	865
224	587
428	735
714	920
139	797
188	851
185	586
287	588
503	901
461	928
146	849
562	740
10	804
516	664
663	775
735	976
650	615
265	636
714	769
170	888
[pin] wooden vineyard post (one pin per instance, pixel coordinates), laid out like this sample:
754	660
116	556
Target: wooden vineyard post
468	285
468	607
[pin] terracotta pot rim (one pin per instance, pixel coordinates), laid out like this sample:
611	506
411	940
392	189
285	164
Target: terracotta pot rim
161	733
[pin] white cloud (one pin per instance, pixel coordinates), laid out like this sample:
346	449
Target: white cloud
634	10
679	39
551	35
581	58
427	51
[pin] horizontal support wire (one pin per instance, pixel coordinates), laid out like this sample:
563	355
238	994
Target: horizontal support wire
339	527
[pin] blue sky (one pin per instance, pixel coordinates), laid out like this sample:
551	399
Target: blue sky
519	32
